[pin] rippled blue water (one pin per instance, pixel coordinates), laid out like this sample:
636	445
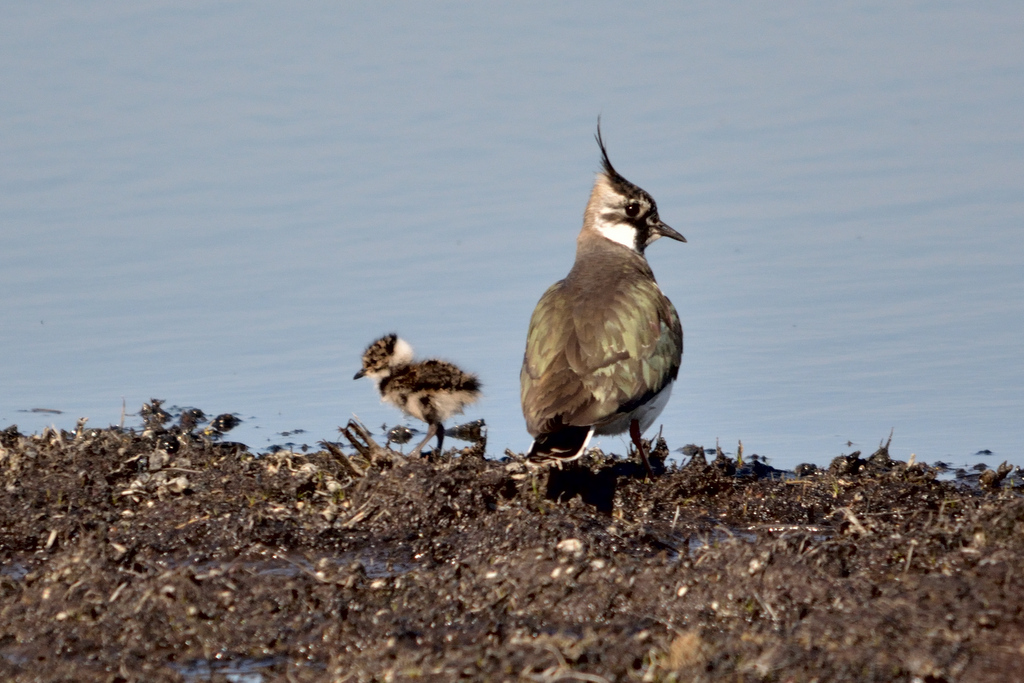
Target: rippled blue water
221	205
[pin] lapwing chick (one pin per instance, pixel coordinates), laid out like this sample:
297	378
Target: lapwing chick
604	344
429	390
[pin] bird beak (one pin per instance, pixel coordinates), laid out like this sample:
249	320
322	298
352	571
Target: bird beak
362	373
663	230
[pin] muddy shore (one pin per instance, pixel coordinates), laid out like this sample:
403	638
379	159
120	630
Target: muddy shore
168	553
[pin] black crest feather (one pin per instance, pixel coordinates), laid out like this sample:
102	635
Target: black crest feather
623	185
605	161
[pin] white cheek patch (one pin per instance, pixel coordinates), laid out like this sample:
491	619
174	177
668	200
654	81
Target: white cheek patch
621	233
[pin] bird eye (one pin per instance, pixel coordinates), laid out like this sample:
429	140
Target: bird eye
632	209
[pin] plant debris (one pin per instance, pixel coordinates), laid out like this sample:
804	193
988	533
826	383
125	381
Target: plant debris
166	554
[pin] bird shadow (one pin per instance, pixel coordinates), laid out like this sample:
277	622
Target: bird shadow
596	487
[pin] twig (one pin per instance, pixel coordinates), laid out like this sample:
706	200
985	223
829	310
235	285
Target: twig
562	671
305	570
361	440
767	607
357	516
353	470
854	522
910	556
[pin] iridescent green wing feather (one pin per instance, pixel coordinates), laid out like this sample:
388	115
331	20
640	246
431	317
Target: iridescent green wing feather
549	387
584	362
640	348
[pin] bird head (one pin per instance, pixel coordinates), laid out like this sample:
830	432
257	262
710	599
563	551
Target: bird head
620	211
383	356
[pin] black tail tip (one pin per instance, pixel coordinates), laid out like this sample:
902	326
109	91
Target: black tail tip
565	445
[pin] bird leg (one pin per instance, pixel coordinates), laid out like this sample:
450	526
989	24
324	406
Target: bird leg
634	432
433	428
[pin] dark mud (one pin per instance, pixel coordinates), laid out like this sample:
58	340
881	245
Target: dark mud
169	555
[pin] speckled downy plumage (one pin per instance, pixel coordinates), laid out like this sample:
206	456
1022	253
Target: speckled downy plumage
430	390
605	344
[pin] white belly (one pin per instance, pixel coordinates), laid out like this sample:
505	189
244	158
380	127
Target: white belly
645	414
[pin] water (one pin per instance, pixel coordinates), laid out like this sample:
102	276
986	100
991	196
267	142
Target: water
232	669
221	205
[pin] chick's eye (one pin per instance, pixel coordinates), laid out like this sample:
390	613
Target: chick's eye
632	209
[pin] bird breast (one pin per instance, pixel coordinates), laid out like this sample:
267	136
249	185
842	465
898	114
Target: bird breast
431	391
432	406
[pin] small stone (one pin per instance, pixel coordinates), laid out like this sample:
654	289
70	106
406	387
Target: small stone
570	545
178	484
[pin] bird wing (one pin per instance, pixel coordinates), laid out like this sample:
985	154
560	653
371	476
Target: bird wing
587	359
435	375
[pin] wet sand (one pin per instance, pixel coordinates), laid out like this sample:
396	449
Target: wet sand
169	554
